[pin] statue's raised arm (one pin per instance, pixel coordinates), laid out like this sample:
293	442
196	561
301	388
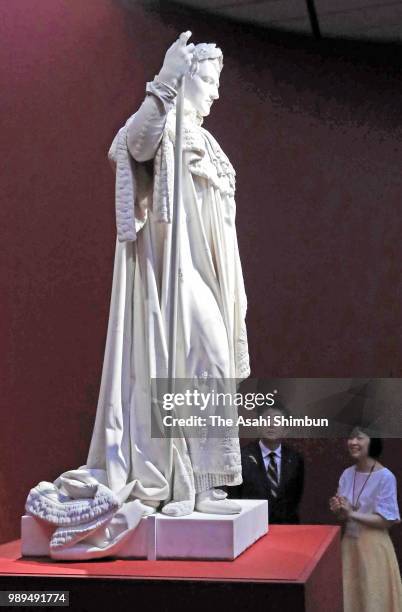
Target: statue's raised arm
146	127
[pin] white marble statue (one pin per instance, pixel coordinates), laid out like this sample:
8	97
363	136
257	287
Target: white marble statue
128	473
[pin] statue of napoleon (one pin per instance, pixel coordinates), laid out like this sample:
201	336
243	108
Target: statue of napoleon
130	474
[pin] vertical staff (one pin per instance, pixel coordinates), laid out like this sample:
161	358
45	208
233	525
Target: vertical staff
175	249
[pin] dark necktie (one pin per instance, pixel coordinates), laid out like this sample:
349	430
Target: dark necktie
272	473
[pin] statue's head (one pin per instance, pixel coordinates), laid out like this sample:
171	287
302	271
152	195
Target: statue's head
202	85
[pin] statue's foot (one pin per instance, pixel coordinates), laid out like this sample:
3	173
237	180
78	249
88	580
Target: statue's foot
214	501
180	508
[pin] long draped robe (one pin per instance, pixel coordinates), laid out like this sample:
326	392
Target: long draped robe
212	340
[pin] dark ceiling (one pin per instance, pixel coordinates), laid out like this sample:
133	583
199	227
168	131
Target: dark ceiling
355	19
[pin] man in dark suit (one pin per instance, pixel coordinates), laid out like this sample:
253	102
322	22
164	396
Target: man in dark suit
273	471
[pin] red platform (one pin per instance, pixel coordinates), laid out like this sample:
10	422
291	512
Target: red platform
298	565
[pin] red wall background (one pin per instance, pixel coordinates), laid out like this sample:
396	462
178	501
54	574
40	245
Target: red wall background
314	133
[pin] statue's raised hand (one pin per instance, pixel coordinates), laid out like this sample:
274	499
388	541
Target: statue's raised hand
177	60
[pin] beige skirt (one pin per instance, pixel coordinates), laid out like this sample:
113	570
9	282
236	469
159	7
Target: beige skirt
371	576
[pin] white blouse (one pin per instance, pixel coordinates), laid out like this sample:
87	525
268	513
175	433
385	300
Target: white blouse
379	495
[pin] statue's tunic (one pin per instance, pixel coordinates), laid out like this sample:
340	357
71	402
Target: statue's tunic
211	335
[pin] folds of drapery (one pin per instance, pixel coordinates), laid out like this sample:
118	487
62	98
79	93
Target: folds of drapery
124	458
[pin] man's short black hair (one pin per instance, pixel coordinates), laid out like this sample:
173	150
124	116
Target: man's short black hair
278	405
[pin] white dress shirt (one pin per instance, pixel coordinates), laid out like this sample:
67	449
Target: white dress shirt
278	457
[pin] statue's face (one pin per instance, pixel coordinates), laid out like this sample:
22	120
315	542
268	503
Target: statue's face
202	89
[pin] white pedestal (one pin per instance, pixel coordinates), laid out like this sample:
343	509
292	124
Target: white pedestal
197	536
